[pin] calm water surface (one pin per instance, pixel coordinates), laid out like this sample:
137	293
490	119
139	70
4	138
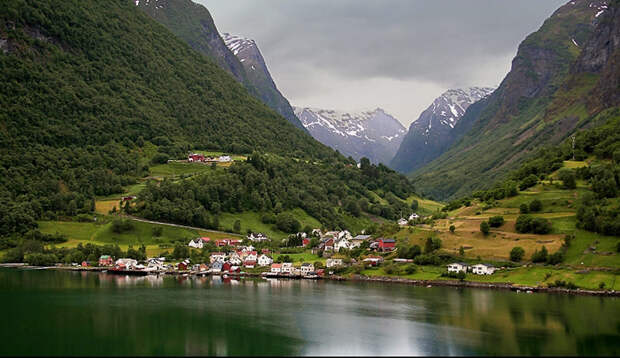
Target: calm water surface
78	313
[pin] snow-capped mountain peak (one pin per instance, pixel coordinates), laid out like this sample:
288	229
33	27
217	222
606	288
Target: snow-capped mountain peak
237	44
373	134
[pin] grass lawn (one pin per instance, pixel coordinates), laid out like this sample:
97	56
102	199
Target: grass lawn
426	206
252	221
175	168
605	254
302	257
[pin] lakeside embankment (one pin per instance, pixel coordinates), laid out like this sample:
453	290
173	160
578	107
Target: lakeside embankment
360	278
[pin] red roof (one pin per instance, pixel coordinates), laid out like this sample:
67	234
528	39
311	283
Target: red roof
249	262
276	265
253	253
205	239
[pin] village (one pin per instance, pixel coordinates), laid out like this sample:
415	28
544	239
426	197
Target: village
237	257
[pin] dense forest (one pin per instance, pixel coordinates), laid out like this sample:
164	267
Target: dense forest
272	184
86	83
91	87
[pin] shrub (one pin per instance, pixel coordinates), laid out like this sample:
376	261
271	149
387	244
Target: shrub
524	209
540	256
410	269
535	205
287	223
496	221
157	231
516	254
555	258
452	228
528	182
160	158
567	177
120	226
484	227
427	259
526	223
431	245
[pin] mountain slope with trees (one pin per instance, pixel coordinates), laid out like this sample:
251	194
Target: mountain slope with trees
95	92
193	23
543	100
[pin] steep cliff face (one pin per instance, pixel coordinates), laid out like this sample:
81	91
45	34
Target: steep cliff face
601	55
535	105
193	23
249	55
433	132
375	134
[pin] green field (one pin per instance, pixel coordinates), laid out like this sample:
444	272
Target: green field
178	168
252	221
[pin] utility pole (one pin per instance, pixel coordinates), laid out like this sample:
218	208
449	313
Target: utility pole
574	137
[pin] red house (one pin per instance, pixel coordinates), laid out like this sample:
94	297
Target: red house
386	244
106	260
196	158
205	239
183	265
226	267
305	242
265	251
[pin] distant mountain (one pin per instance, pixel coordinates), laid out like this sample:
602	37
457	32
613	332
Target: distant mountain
432	133
193	24
564	78
375	135
246	50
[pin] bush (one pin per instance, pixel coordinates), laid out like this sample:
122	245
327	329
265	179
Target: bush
516	254
268	218
535	205
287	223
556	258
431	245
528	182
540	256
39	259
160	158
526	223
410	269
452	228
157	231
524	209
567	177
120	226
484	227
427	259
496	221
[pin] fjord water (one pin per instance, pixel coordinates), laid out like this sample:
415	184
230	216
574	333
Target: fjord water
47	312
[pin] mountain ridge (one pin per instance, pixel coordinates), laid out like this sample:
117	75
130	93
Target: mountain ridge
373	134
424	142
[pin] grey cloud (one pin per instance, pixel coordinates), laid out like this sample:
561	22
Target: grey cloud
451	43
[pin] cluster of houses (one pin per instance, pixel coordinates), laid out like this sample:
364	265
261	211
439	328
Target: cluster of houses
336	240
201	158
199	242
404	222
478	269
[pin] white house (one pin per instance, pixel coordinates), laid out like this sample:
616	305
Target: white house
217	256
357	241
402	222
235	259
224	159
264	260
257	238
333	262
216	266
342	243
276	268
287	267
196	243
414	216
251	256
483	269
458	267
306	268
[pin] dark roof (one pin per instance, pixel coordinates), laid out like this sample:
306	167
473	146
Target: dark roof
388	240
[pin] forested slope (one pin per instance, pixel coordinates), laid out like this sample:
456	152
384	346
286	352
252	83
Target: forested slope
94	90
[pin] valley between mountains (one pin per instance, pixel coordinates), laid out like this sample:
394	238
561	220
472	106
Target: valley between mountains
133	129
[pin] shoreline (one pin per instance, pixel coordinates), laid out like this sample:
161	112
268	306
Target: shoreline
475	284
358	278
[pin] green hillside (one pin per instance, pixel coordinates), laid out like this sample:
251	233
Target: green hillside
97	97
544	99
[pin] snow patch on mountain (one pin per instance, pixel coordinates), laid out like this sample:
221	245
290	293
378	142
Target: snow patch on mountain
373	134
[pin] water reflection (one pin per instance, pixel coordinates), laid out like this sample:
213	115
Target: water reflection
105	314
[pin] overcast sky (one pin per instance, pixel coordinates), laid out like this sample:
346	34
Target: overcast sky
395	54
